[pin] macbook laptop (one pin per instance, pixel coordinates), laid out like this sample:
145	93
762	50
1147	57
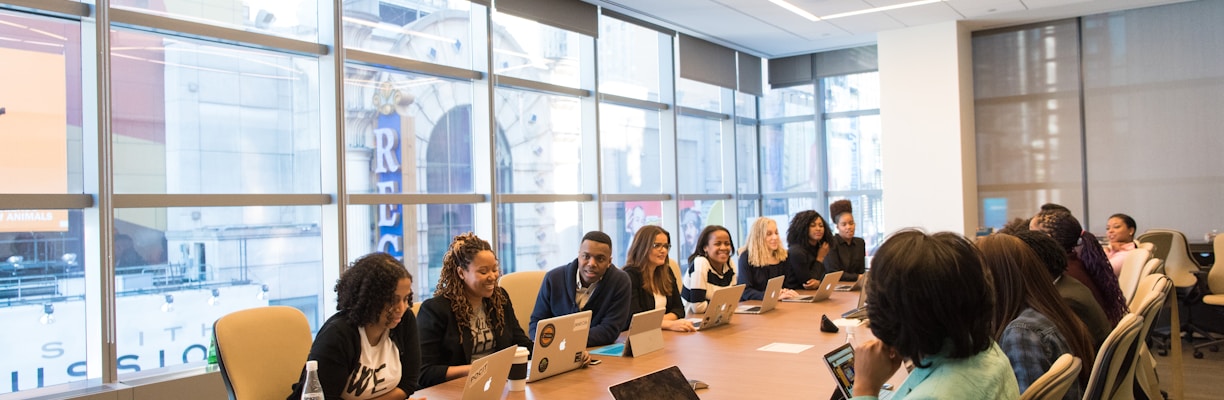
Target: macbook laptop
772	289
841	364
559	344
665	384
859	312
823	292
722	306
487	376
858	284
645	336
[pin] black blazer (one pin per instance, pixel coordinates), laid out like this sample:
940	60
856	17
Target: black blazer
848	258
440	345
641	300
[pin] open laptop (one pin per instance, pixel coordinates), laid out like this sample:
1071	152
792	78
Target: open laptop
487	376
859	312
858	284
665	384
823	292
841	364
772	289
722	306
645	336
559	344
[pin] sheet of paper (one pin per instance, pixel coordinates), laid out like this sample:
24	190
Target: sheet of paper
792	348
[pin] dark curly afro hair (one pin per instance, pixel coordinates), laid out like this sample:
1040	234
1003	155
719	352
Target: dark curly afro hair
367	286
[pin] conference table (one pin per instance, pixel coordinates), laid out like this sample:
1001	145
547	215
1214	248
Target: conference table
727	358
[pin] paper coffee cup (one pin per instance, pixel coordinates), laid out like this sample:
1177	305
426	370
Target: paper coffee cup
518	371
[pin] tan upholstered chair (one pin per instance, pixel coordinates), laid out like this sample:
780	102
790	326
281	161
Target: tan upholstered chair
1112	367
1053	385
1149	299
523	288
1132	269
1215	282
1171	247
1153	266
261	351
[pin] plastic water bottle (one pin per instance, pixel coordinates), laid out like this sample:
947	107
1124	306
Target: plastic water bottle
311	389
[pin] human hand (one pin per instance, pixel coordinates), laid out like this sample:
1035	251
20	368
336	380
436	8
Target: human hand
679	325
874	363
787	294
824	251
586	359
811	284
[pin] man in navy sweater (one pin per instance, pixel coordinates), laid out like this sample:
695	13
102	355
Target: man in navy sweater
590	282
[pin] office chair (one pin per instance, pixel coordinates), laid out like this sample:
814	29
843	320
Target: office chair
261	351
1053	385
1132	268
1149	299
1171	246
523	288
1214	299
1111	367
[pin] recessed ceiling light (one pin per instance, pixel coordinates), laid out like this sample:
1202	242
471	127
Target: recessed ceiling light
812	17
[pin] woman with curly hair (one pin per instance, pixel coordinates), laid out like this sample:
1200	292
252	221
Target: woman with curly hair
1086	261
469	316
652	285
368	349
807	240
847	253
761	259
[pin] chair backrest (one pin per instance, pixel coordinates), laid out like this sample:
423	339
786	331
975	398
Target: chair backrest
1179	266
1132	267
523	288
1053	385
1215	279
1153	266
1107	369
675	267
1149	246
1149	297
261	351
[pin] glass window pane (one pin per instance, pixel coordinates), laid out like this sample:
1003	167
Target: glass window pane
868	218
629	140
430	228
745	105
622	219
695	215
530	50
191	117
782	208
628	59
433	31
790	158
539	138
701	96
40	95
186	267
407	133
42	291
747	169
699	155
851	92
789	102
298	19
748	211
539	236
854	153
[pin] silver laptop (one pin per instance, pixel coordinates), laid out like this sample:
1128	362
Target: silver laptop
487	376
772	290
823	292
559	344
841	364
858	284
859	312
665	384
722	306
645	336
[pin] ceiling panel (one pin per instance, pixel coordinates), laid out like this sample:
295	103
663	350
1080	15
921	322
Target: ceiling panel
924	14
976	8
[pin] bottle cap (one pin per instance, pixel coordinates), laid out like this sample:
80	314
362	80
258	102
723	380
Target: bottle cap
312	365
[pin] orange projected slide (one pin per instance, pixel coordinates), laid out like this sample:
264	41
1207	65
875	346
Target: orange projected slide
33	136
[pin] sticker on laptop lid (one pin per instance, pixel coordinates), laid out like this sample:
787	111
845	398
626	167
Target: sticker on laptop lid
583	323
547	334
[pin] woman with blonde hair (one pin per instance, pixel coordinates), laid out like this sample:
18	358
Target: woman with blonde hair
652	284
761	259
469	317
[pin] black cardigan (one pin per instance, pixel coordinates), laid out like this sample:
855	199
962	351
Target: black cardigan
642	300
440	345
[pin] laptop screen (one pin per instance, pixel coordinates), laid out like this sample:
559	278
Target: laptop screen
665	384
841	363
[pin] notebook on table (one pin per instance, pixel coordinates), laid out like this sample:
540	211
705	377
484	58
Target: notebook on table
487	376
645	336
665	384
823	292
559	344
841	364
772	290
722	306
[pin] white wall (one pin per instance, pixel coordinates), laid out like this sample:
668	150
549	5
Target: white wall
926	110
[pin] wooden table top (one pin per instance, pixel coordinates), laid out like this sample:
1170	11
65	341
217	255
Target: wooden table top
725	357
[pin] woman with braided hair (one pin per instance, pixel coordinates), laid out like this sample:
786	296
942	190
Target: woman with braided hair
469	316
1086	261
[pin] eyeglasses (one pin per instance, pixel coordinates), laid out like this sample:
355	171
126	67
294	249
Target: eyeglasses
656	246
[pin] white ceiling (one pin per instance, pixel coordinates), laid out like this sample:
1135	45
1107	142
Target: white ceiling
762	28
